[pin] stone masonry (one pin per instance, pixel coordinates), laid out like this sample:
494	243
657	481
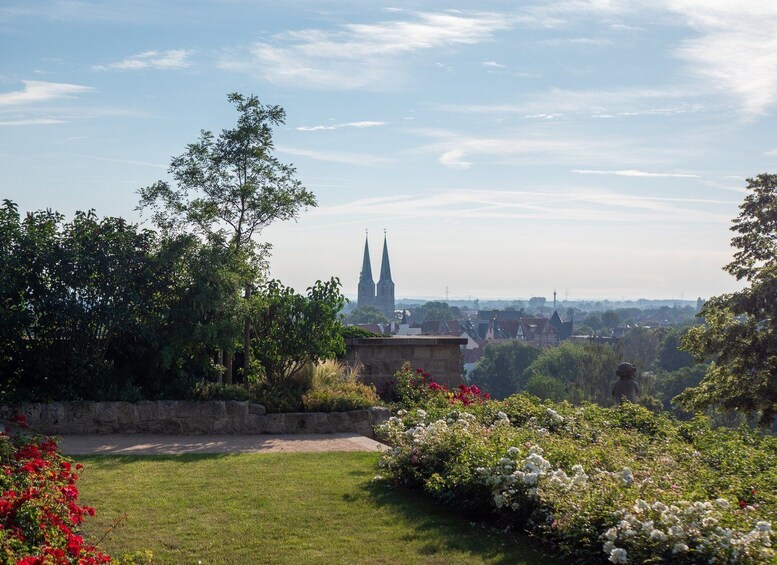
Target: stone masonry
188	417
381	357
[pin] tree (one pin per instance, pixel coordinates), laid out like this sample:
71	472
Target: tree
435	311
500	371
670	356
367	315
228	188
739	332
291	330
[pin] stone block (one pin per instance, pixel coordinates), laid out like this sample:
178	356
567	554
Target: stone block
79	413
253	424
258	409
146	411
275	424
378	415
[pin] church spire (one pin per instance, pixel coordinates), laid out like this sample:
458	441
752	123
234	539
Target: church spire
366	295
384	298
385	268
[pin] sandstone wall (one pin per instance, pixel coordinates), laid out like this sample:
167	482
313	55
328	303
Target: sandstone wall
381	357
187	417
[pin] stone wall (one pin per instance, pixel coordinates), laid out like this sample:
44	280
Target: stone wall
188	417
381	357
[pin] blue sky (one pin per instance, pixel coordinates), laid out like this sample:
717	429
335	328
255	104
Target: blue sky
594	147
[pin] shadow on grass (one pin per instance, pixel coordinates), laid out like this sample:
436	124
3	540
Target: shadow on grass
112	460
453	529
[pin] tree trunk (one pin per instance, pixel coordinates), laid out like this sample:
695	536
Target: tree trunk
228	367
247	339
218	362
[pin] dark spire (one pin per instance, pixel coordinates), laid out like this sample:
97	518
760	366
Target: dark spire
385	268
366	273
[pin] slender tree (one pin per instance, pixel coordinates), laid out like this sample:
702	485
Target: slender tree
228	188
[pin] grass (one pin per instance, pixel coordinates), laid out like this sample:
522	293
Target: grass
277	508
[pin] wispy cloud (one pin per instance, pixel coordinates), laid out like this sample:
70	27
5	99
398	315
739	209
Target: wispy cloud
37	91
360	125
581	205
31	122
160	60
364	159
493	65
735	49
362	55
634	173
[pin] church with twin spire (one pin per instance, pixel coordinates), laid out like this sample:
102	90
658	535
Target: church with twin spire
380	296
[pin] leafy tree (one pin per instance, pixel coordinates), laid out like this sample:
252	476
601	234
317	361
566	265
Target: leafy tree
740	329
610	319
640	347
228	188
500	371
586	370
670	356
436	311
367	315
292	330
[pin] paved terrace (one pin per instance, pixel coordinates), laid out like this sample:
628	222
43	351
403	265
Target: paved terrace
138	444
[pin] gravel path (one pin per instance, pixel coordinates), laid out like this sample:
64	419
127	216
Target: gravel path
136	444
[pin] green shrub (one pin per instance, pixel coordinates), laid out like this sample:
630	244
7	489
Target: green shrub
216	391
595	483
335	388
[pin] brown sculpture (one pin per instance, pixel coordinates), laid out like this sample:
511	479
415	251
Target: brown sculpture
626	388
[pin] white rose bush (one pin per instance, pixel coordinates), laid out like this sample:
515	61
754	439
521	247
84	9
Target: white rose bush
596	485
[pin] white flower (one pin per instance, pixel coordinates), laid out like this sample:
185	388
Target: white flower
618	555
513	452
722	503
679	548
708	522
640	506
401	413
763	526
676	531
658	535
628	476
421	413
502	417
611	534
608	547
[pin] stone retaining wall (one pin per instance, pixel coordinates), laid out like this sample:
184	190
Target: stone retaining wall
188	417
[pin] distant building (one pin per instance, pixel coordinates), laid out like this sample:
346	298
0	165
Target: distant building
380	296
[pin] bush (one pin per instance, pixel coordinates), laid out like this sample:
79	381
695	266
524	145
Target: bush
335	388
596	483
39	510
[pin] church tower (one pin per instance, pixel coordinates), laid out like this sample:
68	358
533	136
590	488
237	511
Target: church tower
366	296
385	290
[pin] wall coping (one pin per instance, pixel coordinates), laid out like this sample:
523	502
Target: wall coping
404	340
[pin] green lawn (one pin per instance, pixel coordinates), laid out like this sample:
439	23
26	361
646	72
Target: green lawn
277	508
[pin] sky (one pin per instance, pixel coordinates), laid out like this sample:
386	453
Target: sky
509	149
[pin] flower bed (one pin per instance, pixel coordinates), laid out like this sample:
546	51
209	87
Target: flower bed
596	484
39	510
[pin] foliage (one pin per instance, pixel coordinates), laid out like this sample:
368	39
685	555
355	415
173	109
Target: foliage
335	387
40	517
585	370
435	311
501	369
230	187
740	329
670	356
640	347
592	482
291	330
415	387
355	332
205	390
367	315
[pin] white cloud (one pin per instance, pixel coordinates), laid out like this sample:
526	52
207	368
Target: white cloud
362	55
634	173
37	91
493	65
736	49
360	125
580	205
31	122
364	159
162	60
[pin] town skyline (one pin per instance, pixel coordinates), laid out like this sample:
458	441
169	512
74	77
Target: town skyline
595	147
